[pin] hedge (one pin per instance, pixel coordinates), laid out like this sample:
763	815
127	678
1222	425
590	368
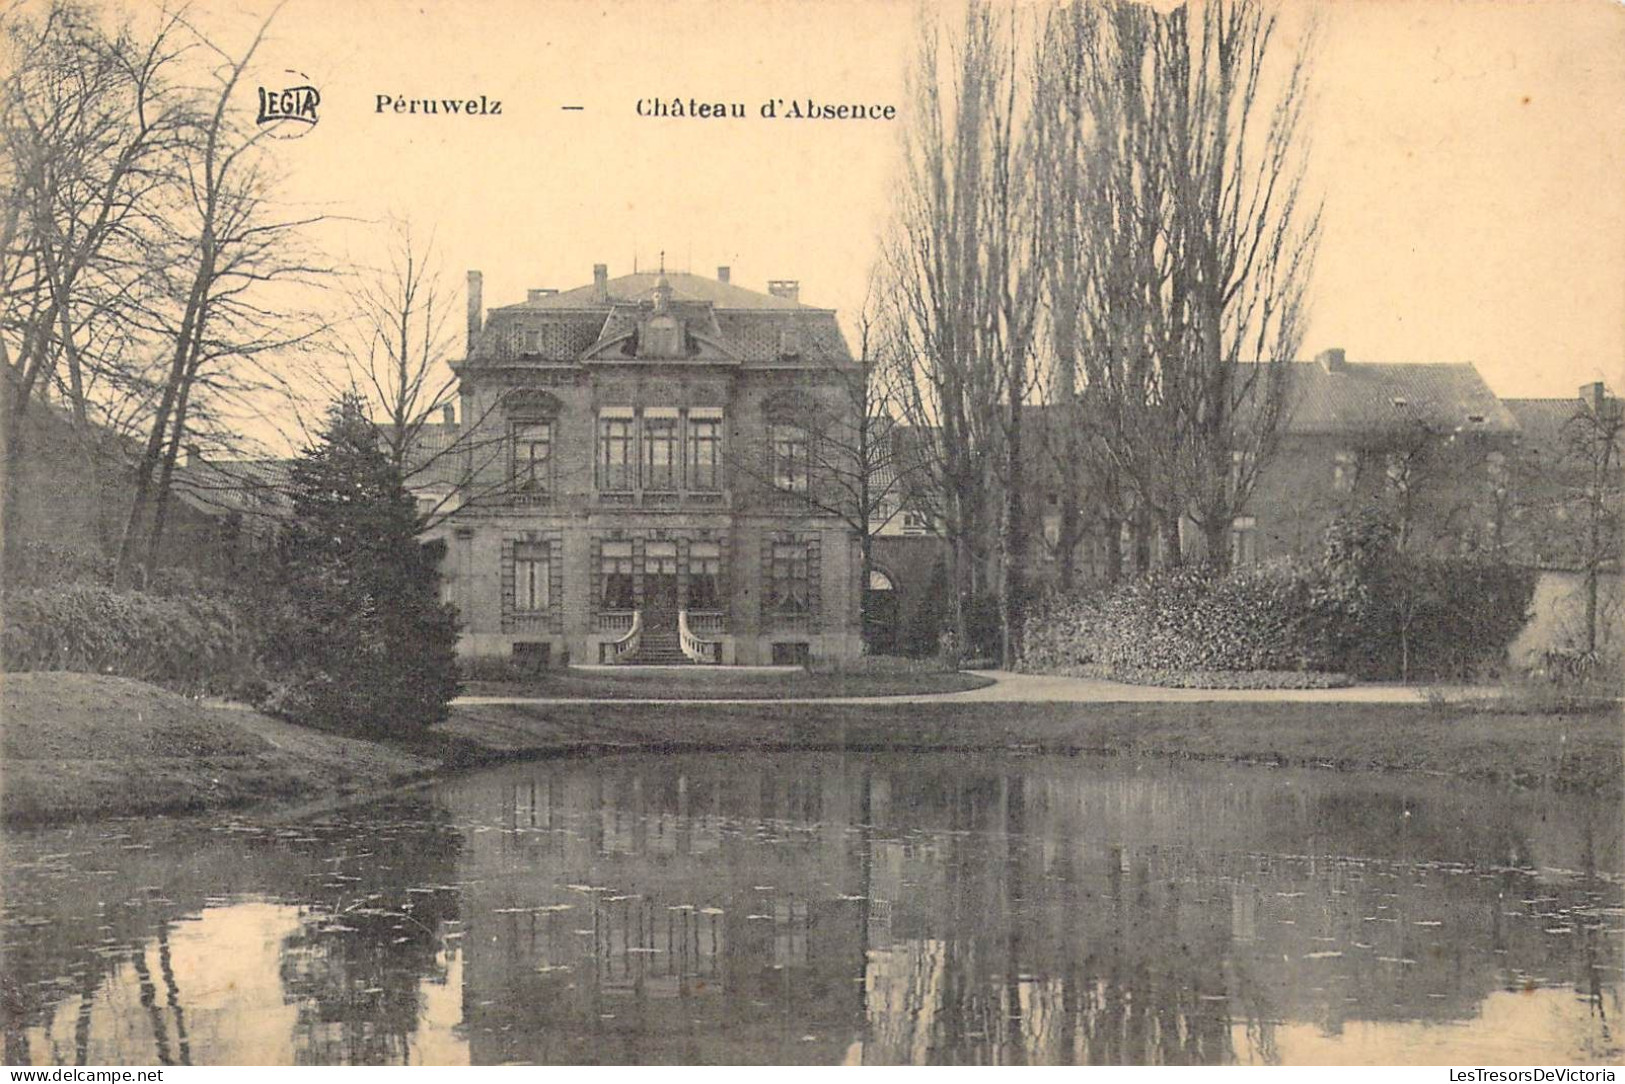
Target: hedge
1268	618
1381	616
193	644
1216	679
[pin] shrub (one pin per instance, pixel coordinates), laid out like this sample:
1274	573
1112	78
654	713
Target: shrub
1254	619
1366	609
189	643
1401	614
1216	679
50	564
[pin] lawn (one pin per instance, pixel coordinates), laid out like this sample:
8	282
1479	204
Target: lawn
866	678
1578	751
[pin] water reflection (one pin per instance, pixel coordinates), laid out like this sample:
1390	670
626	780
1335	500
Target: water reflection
815	908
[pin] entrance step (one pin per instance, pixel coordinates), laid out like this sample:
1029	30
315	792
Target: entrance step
660	647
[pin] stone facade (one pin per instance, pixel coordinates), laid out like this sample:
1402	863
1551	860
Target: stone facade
636	453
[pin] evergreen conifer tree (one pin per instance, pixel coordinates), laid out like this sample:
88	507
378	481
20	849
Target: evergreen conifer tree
364	633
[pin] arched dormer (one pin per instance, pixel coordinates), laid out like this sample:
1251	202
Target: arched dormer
531	403
790	407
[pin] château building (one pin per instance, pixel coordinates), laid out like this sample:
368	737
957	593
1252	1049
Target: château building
635	479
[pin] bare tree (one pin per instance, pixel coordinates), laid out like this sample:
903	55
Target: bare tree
1104	187
398	359
238	252
89	121
1170	150
853	468
1595	443
406	338
961	291
1243	235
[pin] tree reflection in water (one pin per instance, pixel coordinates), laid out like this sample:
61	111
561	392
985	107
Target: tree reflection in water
821	908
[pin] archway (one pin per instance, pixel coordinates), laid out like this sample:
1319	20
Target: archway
880	614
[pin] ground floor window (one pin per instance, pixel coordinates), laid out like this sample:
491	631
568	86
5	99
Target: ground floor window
616	567
532	576
789	587
1244	541
704	576
797	654
533	656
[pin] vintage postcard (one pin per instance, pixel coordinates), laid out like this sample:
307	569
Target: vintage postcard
812	533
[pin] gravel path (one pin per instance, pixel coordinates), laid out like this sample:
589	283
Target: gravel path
1009	688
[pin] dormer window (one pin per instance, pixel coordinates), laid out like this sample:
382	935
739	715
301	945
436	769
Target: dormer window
1476	419
790	342
661	337
1401	401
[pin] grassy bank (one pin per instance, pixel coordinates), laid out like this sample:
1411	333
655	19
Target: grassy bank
84	745
1571	752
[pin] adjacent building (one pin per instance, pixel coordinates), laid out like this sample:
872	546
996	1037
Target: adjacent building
631	477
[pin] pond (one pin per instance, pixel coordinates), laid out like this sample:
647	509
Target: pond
823	908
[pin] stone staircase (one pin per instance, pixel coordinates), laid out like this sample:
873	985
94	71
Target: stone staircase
660	647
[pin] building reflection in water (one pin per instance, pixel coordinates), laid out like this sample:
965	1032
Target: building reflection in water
944	909
819	908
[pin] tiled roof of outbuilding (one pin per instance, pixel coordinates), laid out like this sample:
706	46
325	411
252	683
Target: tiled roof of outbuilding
1370	398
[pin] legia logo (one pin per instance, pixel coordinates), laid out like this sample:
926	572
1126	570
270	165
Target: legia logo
289	112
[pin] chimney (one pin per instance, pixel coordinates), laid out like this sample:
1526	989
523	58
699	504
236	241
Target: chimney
536	293
476	308
1333	360
600	281
448	416
1594	395
789	289
194	456
723	272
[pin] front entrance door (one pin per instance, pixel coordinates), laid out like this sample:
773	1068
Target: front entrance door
660	585
880	616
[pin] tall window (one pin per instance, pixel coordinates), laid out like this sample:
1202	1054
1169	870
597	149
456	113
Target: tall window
1495	465
789	457
660	458
531	577
532	342
788	587
1397	474
704	452
615	462
1238	465
1345	471
533	458
1244	541
704	573
616	565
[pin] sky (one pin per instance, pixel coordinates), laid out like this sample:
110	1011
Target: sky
1469	153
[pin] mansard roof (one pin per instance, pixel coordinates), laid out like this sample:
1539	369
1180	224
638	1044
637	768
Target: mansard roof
724	324
685	286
